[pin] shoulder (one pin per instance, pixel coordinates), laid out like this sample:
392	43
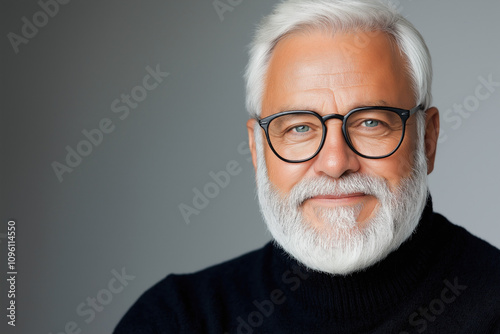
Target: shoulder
241	267
176	300
221	281
473	270
474	252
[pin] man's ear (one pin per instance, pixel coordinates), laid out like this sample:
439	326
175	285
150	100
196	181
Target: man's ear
431	136
251	141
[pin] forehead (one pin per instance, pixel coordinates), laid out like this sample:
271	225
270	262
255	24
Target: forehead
319	70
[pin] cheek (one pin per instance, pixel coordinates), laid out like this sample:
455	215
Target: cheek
397	166
282	174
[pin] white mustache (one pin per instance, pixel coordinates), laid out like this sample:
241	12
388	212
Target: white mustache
352	183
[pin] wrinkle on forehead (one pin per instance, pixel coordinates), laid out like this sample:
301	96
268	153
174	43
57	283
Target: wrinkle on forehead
327	100
332	80
314	99
314	73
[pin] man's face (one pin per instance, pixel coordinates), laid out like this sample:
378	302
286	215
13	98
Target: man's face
335	74
318	72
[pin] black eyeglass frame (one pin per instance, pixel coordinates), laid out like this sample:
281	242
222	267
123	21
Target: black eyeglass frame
404	114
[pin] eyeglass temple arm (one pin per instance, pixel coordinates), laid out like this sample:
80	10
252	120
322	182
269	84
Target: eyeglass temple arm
417	108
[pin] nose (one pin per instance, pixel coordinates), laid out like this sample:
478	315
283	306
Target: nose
336	158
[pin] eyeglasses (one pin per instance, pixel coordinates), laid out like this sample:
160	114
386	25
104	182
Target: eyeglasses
371	132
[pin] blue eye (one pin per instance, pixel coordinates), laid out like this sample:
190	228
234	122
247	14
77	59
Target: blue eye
302	128
371	123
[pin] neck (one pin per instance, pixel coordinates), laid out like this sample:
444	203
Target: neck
345	297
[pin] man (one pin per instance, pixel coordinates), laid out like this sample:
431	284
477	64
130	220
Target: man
342	137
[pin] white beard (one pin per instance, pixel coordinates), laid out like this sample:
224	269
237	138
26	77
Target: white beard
340	245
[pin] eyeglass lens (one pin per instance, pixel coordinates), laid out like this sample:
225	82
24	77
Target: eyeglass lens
372	133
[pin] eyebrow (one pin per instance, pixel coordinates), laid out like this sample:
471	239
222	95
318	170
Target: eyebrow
377	103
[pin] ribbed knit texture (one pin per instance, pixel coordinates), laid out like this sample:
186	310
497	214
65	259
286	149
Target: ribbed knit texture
441	280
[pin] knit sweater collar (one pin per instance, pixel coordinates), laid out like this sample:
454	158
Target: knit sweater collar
372	291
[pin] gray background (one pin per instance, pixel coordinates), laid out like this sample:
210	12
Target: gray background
120	207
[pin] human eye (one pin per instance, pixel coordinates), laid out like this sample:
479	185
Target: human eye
374	121
301	128
368	124
295	126
371	123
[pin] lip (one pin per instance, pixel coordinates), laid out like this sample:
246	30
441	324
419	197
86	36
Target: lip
344	199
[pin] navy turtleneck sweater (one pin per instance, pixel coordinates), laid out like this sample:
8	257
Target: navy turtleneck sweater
441	280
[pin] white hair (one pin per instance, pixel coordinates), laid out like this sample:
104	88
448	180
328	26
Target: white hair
336	16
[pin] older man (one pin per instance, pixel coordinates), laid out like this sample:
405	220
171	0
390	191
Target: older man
342	137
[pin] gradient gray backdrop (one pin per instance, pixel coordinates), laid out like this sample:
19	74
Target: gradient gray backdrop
120	207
